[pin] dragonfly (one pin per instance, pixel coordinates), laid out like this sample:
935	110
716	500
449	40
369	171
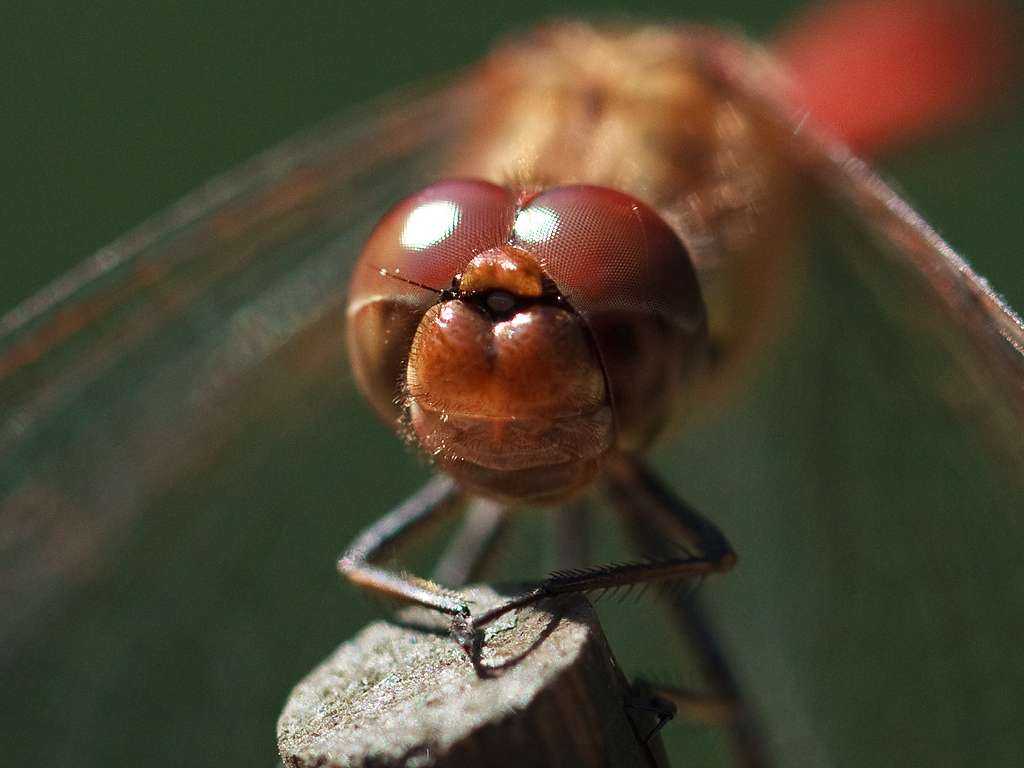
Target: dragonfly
191	363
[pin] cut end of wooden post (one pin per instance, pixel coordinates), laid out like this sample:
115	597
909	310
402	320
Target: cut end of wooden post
403	693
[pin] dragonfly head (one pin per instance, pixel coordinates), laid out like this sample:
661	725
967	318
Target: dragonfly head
517	338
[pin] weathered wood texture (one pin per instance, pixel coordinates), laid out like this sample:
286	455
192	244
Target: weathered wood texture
403	693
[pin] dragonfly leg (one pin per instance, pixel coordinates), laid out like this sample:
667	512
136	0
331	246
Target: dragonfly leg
700	547
651	512
663	521
474	545
695	706
571	544
437	500
745	727
647	704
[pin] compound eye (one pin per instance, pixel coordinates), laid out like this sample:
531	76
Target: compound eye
609	252
416	252
429	238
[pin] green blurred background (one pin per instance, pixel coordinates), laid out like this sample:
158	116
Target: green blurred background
111	111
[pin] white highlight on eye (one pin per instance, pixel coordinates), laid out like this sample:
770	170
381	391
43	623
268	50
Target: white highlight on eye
429	224
536	224
446	315
522	318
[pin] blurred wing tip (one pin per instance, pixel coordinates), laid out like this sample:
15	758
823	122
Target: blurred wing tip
883	72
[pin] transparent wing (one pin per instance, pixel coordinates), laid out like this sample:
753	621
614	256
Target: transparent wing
872	480
142	399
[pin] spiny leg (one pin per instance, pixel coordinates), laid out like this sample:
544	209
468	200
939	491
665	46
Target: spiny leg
705	550
648	510
644	502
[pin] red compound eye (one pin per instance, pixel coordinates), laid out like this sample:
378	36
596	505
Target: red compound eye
430	237
412	255
607	252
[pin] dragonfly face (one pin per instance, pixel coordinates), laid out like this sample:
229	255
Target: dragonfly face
508	377
207	362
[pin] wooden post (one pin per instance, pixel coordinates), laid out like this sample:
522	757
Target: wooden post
403	693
